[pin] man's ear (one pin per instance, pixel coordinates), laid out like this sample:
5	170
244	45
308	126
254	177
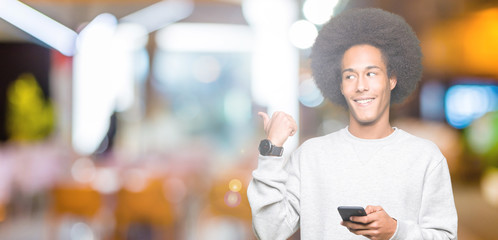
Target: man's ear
392	81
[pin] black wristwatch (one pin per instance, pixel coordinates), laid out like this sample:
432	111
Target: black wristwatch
266	148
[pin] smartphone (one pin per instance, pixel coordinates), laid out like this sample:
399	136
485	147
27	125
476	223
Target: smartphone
347	211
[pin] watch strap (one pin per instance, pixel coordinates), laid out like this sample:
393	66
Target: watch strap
276	151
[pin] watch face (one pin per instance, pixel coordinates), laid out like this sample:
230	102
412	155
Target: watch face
264	147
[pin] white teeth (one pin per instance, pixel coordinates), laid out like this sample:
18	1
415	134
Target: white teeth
363	101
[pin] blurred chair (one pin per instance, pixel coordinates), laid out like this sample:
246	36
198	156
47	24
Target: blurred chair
144	214
73	201
3	212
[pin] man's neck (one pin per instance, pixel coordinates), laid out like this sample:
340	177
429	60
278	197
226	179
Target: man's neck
374	131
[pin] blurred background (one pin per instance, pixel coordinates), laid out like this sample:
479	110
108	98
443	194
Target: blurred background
136	119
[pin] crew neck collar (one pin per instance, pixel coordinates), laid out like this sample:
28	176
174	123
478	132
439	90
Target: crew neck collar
352	137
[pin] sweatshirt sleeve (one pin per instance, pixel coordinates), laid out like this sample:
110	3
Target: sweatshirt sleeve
273	194
438	217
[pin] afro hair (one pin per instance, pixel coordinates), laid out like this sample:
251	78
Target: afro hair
388	32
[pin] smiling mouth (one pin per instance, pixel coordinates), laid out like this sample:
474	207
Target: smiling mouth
364	101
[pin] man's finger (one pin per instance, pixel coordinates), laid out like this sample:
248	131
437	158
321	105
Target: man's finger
265	118
361	219
371	209
293	128
354	226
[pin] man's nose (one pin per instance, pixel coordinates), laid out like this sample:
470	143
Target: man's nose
362	84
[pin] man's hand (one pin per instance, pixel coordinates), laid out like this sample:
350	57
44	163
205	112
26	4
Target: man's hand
376	225
280	127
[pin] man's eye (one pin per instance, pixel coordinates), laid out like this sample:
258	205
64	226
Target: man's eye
371	74
349	77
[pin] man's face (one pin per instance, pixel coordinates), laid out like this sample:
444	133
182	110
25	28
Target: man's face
365	85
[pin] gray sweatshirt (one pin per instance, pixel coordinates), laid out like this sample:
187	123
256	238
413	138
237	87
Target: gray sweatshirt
406	175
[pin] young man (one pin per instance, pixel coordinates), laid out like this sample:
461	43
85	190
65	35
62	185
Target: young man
362	59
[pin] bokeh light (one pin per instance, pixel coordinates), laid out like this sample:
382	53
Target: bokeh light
106	180
483	133
319	11
81	231
309	94
489	186
302	34
482	138
83	170
135	180
465	103
232	199
235	185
